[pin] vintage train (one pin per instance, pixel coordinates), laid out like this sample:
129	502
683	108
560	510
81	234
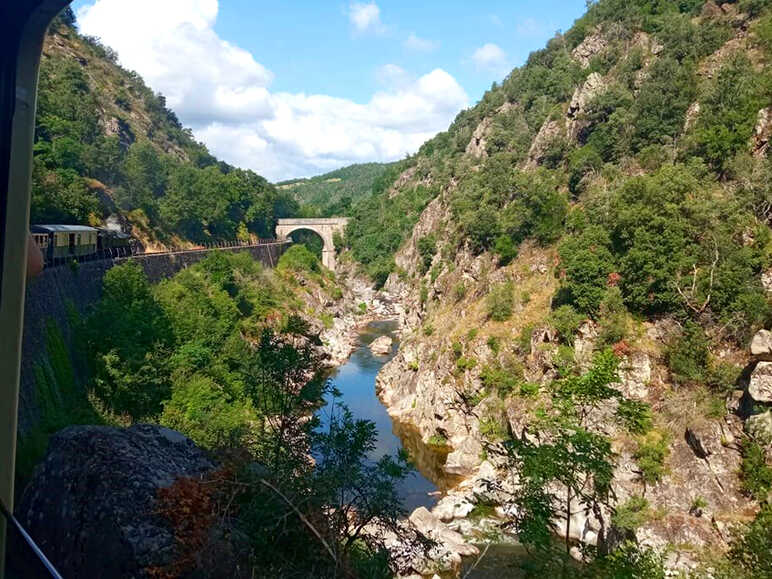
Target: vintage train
64	243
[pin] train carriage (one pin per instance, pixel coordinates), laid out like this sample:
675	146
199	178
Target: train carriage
61	242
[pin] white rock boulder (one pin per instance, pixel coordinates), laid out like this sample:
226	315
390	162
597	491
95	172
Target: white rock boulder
761	345
760	386
381	346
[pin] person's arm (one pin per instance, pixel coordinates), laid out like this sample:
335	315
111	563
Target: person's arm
34	258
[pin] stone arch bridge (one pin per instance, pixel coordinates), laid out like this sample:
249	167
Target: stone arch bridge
323	227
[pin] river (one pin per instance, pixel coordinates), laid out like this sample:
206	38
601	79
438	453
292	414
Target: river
355	380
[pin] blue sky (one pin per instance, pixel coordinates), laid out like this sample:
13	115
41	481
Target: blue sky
294	89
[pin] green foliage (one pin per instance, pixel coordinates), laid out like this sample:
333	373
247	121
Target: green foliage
523	342
380	224
333	193
129	337
427	247
652	452
464	363
726	122
635	416
612	317
500	302
502	379
750	547
631	514
687	355
755	473
629	561
60	400
159	168
299	259
437	440
494	344
566	322
459	291
587	262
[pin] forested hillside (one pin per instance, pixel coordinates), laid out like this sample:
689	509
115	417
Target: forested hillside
108	147
584	257
333	193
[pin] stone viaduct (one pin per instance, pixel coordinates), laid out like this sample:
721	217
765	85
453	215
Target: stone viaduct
323	227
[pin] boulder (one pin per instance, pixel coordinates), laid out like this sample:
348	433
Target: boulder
90	504
761	345
465	458
381	346
431	526
760	386
703	438
759	426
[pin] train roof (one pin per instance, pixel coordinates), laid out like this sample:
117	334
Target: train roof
61	228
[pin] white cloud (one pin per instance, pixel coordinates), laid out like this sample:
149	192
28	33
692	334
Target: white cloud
491	58
418	44
365	17
224	94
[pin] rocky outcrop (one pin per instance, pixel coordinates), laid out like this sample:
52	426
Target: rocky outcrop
582	96
381	346
592	45
762	132
90	505
760	386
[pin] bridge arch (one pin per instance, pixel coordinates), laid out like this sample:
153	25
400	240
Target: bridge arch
325	228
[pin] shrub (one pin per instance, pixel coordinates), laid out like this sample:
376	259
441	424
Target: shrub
427	247
463	363
755	473
437	440
494	345
459	291
612	317
566	322
502	380
631	514
687	355
587	263
635	416
750	548
524	340
500	302
299	259
651	455
506	249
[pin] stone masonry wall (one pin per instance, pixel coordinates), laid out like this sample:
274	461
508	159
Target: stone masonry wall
58	292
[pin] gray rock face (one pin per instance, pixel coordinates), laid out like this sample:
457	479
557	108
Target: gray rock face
90	505
760	387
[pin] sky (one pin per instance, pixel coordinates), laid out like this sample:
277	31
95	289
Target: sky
295	89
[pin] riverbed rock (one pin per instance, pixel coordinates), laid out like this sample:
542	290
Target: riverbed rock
431	526
760	386
381	346
761	345
90	504
452	506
